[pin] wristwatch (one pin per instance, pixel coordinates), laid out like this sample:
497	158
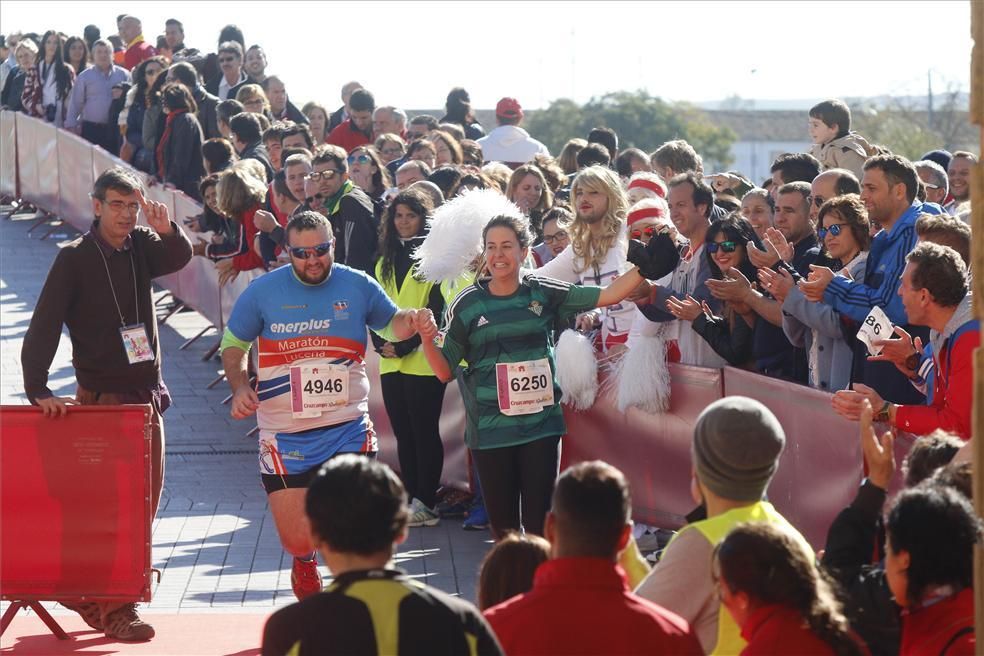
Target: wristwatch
912	362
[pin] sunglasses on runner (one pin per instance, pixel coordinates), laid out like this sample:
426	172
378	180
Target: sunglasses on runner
303	253
726	246
835	230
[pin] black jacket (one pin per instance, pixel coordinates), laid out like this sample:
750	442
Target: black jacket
259	152
356	231
208	114
292	113
337	118
852	541
183	165
731	342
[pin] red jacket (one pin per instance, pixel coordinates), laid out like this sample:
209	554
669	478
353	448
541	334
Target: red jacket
584	606
348	136
773	629
928	631
953	388
136	52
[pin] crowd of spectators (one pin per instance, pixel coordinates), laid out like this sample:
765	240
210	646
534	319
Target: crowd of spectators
847	270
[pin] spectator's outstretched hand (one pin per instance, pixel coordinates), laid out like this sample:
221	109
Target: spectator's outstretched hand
655	259
879	452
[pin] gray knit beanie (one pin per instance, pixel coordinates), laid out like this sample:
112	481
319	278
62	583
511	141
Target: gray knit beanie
737	443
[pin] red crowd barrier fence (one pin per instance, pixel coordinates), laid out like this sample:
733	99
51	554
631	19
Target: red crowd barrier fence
75	504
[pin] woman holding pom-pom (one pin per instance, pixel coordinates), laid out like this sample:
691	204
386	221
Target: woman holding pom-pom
502	325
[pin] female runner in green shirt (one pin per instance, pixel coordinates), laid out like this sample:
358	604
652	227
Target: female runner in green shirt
503	327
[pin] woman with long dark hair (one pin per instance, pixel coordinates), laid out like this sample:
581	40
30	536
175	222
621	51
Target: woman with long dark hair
49	83
367	171
412	394
732	334
458	110
179	153
76	54
138	99
774	591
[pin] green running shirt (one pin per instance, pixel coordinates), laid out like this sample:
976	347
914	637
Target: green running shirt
486	330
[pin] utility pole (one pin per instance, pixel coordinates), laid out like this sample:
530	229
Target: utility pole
929	81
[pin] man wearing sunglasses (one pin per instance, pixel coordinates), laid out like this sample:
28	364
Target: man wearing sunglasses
312	394
827	185
231	75
328	190
100	287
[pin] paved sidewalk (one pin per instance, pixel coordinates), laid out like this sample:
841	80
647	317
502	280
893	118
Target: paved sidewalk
213	540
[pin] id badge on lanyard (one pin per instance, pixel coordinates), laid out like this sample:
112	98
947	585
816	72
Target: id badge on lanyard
524	388
136	343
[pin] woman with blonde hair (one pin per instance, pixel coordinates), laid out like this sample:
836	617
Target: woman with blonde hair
597	252
239	194
254	99
568	155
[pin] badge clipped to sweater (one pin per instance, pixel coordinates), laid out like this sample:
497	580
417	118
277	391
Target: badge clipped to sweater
875	327
136	343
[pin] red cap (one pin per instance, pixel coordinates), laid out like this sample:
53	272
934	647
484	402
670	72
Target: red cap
509	108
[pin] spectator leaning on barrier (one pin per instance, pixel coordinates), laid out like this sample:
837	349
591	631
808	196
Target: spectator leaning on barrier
889	193
100	287
357	511
581	602
690	201
92	95
736	449
934	291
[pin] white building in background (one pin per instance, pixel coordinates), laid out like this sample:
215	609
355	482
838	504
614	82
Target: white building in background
762	135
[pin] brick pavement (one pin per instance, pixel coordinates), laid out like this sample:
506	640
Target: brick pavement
213	539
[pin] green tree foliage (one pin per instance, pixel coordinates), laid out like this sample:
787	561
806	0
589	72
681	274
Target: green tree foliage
641	121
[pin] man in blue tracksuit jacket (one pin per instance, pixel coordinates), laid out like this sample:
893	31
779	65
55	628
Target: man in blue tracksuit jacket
888	190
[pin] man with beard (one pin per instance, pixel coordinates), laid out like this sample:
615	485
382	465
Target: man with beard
312	394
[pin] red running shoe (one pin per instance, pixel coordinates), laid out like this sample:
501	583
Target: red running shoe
305	578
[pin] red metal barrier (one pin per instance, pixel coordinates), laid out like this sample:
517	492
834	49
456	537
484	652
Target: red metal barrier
653	451
75	504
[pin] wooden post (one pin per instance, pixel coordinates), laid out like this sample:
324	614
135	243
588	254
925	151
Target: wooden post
977	258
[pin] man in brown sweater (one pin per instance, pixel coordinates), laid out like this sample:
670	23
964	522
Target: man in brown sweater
100	287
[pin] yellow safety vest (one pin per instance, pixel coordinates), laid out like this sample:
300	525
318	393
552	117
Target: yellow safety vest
413	294
729	640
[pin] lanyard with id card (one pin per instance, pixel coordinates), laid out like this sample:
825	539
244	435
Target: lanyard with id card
136	343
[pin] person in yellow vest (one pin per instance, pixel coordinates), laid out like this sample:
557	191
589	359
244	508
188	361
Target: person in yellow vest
412	394
736	449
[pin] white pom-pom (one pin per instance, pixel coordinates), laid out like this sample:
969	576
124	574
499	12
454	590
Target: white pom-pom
644	377
454	238
577	370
